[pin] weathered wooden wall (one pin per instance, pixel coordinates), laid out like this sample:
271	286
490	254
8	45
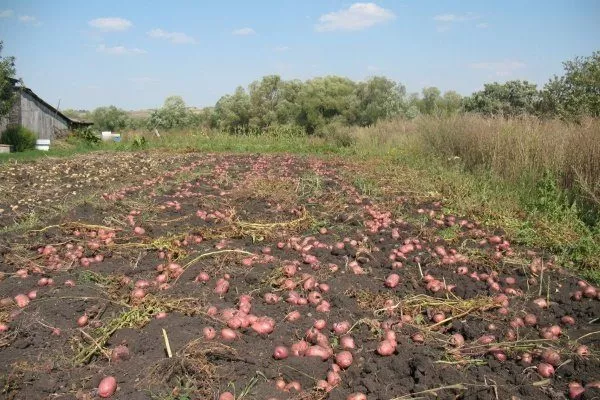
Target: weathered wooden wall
37	117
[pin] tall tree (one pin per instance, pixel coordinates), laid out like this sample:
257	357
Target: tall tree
232	112
378	98
508	99
575	93
264	98
431	99
7	72
325	100
109	118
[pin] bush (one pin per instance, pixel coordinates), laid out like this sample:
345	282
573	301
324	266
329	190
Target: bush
20	138
86	135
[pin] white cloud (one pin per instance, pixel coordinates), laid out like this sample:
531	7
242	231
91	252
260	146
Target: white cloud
119	50
6	13
244	32
281	48
456	18
358	16
109	24
500	68
173	37
483	25
27	19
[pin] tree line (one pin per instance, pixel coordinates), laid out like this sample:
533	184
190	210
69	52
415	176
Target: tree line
317	106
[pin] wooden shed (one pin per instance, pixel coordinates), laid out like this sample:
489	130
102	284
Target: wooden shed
33	113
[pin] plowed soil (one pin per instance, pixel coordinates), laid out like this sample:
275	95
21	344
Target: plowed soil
123	240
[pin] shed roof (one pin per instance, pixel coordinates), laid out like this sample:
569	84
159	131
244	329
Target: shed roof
70	121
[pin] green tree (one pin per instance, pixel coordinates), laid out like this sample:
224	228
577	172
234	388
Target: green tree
173	114
232	112
326	100
264	98
288	106
431	100
508	99
7	73
378	98
451	102
109	118
577	92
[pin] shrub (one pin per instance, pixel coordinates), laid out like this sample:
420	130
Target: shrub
20	138
86	135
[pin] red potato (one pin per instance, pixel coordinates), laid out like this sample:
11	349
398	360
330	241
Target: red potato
356	396
386	348
314	298
107	387
209	333
324	306
567	320
589	292
310	283
551	357
138	294
293	385
226	396
293	316
392	280
438	317
486	339
334	378
575	390
280	384
343	359
161	315
541	302
138	230
263	325
290	270
271	298
142	284
341	328
82	321
320	324
222	286
457	340
281	353
120	353
418	338
235	323
202	277
347	342
582	350
32	295
22	300
3	327
526	359
545	370
318	351
299	348
530	320
228	335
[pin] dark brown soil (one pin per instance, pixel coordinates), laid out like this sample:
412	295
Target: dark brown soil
245	204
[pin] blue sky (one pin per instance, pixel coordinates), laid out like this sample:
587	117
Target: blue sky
134	53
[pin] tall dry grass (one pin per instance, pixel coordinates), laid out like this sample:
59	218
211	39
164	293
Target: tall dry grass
520	150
